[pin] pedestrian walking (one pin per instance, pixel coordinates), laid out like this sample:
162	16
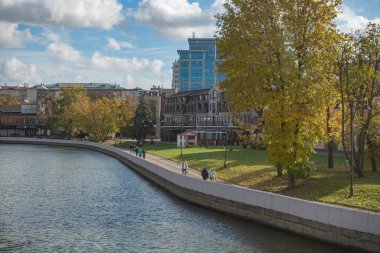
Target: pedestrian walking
136	151
212	174
184	167
143	152
204	173
140	152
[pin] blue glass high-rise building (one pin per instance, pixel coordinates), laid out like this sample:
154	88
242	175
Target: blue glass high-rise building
197	66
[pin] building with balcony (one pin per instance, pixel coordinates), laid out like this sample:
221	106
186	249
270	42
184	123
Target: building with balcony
175	77
155	98
204	112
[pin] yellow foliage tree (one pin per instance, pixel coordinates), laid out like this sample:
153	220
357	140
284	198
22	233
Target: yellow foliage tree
9	100
279	55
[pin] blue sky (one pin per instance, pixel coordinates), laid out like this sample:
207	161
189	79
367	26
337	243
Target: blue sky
129	42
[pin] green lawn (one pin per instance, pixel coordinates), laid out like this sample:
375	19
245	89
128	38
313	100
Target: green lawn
250	168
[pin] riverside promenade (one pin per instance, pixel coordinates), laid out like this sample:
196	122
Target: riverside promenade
347	227
172	166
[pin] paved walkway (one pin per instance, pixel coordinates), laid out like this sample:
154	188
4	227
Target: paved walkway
170	165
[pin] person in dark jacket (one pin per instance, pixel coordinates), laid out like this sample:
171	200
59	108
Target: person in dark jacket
204	173
143	153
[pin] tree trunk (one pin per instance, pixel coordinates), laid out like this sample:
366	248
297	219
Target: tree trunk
330	154
279	169
373	165
359	155
330	145
371	154
291	180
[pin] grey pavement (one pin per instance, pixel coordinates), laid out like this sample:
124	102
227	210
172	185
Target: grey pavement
168	164
172	166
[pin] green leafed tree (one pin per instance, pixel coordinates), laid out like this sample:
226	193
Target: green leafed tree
278	56
359	83
142	121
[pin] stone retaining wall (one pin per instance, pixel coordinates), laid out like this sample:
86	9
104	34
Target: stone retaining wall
339	225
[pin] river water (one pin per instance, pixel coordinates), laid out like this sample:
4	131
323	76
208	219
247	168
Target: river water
57	199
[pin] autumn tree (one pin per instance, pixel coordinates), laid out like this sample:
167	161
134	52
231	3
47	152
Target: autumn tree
359	68
9	100
126	110
102	119
69	115
333	127
142	121
279	56
373	141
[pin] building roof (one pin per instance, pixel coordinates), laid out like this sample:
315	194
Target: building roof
18	87
189	93
201	39
87	86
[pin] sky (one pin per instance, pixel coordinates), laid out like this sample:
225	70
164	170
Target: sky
128	42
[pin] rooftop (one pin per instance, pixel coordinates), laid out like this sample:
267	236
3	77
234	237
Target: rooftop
87	86
189	93
17	87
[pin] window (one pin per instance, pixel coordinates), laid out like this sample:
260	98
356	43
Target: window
197	55
196	75
196	64
184	55
184	64
184	75
196	86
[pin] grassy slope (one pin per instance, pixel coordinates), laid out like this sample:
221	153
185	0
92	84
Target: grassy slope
250	168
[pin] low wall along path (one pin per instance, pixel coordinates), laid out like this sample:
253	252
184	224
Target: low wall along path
339	225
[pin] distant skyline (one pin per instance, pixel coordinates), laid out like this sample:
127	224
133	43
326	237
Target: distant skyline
128	42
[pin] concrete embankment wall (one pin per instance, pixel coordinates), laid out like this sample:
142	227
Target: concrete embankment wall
352	228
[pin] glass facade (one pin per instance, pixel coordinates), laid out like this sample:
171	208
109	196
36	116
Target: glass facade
197	65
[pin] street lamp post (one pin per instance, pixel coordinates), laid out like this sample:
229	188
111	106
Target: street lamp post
181	134
351	105
155	137
225	151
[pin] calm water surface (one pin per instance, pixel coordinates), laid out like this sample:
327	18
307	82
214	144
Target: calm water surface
56	199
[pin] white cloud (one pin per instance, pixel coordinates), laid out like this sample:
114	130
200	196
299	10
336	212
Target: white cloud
348	21
49	35
68	13
101	61
176	19
218	6
62	52
117	45
13	38
130	79
34	67
16	71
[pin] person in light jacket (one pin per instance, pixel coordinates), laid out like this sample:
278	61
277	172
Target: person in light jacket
212	174
184	167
